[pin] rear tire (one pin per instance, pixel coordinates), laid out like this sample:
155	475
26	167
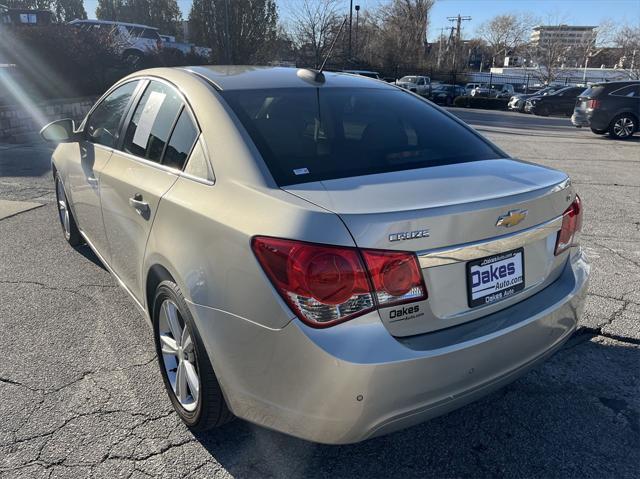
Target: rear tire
67	221
183	360
622	127
542	111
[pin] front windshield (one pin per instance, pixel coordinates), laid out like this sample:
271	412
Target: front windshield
315	134
409	79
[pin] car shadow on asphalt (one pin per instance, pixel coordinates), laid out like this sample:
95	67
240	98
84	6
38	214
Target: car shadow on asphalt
88	253
574	416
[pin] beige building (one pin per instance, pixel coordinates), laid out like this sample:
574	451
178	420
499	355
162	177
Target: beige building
568	35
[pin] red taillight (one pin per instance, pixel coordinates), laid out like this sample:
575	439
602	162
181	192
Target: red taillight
593	104
326	285
571	226
395	276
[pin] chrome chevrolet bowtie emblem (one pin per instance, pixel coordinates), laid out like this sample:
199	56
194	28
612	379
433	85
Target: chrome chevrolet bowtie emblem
512	218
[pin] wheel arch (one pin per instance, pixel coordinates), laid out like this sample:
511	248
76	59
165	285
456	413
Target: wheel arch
156	274
632	114
130	50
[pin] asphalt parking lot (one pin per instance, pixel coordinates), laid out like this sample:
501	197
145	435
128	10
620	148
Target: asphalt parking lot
81	394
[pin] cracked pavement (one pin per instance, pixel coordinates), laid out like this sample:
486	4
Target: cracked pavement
81	394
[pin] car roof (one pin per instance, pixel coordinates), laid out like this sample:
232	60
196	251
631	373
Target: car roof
109	22
360	71
236	77
619	83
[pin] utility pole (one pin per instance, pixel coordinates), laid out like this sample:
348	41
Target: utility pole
459	19
350	26
226	32
440	42
357	22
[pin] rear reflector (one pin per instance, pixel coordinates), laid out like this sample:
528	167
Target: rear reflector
326	285
571	226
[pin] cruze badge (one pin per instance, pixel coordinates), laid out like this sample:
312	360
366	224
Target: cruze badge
512	218
409	235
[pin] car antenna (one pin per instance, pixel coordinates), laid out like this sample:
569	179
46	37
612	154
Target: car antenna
317	76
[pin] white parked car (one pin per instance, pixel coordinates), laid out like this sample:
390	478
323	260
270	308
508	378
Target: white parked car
133	41
416	84
472	86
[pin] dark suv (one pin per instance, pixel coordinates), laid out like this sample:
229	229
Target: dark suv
609	107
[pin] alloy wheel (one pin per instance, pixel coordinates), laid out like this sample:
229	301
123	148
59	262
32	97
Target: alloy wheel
178	354
623	127
63	209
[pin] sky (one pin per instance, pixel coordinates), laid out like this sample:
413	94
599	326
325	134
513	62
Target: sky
575	12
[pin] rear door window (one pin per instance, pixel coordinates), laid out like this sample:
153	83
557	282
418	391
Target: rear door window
309	134
152	121
182	139
628	91
141	32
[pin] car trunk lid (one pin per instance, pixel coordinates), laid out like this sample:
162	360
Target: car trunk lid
448	215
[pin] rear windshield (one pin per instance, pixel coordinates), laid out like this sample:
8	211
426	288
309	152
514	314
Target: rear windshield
593	91
309	134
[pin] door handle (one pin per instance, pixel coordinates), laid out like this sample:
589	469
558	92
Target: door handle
137	203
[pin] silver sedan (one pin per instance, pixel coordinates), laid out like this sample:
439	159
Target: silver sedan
319	253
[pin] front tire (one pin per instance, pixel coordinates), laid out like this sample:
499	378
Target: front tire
67	221
622	127
186	371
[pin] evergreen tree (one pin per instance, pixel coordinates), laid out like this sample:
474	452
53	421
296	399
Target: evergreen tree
67	10
162	14
110	10
238	31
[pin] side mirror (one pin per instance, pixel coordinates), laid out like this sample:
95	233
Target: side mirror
59	131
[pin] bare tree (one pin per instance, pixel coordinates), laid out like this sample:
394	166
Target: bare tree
403	25
627	39
550	52
315	23
506	34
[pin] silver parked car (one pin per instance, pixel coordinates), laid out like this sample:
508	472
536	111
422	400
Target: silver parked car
322	254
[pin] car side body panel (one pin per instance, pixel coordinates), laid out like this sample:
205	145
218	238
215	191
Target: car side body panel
125	181
224	274
82	164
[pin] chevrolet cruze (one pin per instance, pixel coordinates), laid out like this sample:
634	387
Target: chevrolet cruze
322	254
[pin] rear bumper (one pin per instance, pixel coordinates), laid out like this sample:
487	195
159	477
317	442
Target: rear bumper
355	381
580	119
